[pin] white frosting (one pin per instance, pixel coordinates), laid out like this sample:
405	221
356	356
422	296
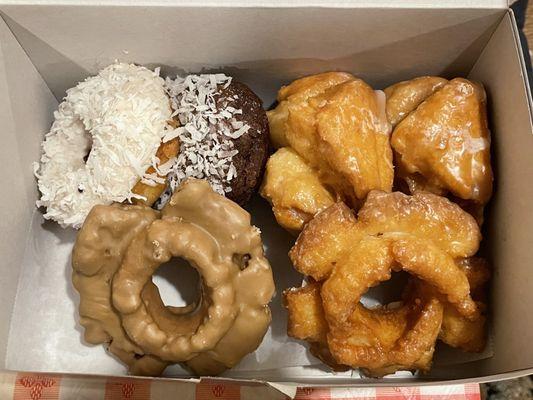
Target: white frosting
120	116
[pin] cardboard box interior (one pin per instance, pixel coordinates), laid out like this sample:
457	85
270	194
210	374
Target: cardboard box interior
47	49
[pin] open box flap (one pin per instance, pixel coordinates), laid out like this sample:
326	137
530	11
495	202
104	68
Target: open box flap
26	105
439	43
508	242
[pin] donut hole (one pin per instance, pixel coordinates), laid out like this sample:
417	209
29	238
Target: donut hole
388	292
88	147
242	260
178	283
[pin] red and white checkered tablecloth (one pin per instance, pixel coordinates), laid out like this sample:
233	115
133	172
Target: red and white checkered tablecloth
24	386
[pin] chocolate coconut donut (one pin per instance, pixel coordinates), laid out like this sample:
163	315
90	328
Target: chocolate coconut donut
223	135
252	146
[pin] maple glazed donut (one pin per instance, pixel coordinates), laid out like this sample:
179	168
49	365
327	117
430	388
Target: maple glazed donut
214	234
103	142
120	246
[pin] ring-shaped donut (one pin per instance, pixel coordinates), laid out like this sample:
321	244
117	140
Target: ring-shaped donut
164	239
215	236
103	140
379	340
422	235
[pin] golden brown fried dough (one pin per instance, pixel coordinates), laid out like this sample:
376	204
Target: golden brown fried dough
404	97
458	331
367	263
424	215
417	183
164	153
354	140
422	258
294	190
307	322
293	96
446	140
306	316
370	261
421	234
323	240
383	341
337	124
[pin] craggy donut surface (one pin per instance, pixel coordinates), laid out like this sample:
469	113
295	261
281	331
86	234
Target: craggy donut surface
424	235
104	138
216	237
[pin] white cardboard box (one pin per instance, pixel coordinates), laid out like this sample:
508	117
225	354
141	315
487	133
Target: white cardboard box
48	46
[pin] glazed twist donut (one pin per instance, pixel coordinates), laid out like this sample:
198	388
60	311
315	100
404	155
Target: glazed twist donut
423	235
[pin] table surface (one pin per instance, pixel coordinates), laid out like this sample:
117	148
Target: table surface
27	386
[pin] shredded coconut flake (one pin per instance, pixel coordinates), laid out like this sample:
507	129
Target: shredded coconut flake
104	137
205	134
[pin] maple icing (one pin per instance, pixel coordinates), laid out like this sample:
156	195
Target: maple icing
120	247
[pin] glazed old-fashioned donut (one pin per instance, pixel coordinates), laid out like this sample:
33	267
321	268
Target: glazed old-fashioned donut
224	134
215	236
104	138
126	244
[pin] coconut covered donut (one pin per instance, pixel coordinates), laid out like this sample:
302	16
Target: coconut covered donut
120	247
223	135
104	138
